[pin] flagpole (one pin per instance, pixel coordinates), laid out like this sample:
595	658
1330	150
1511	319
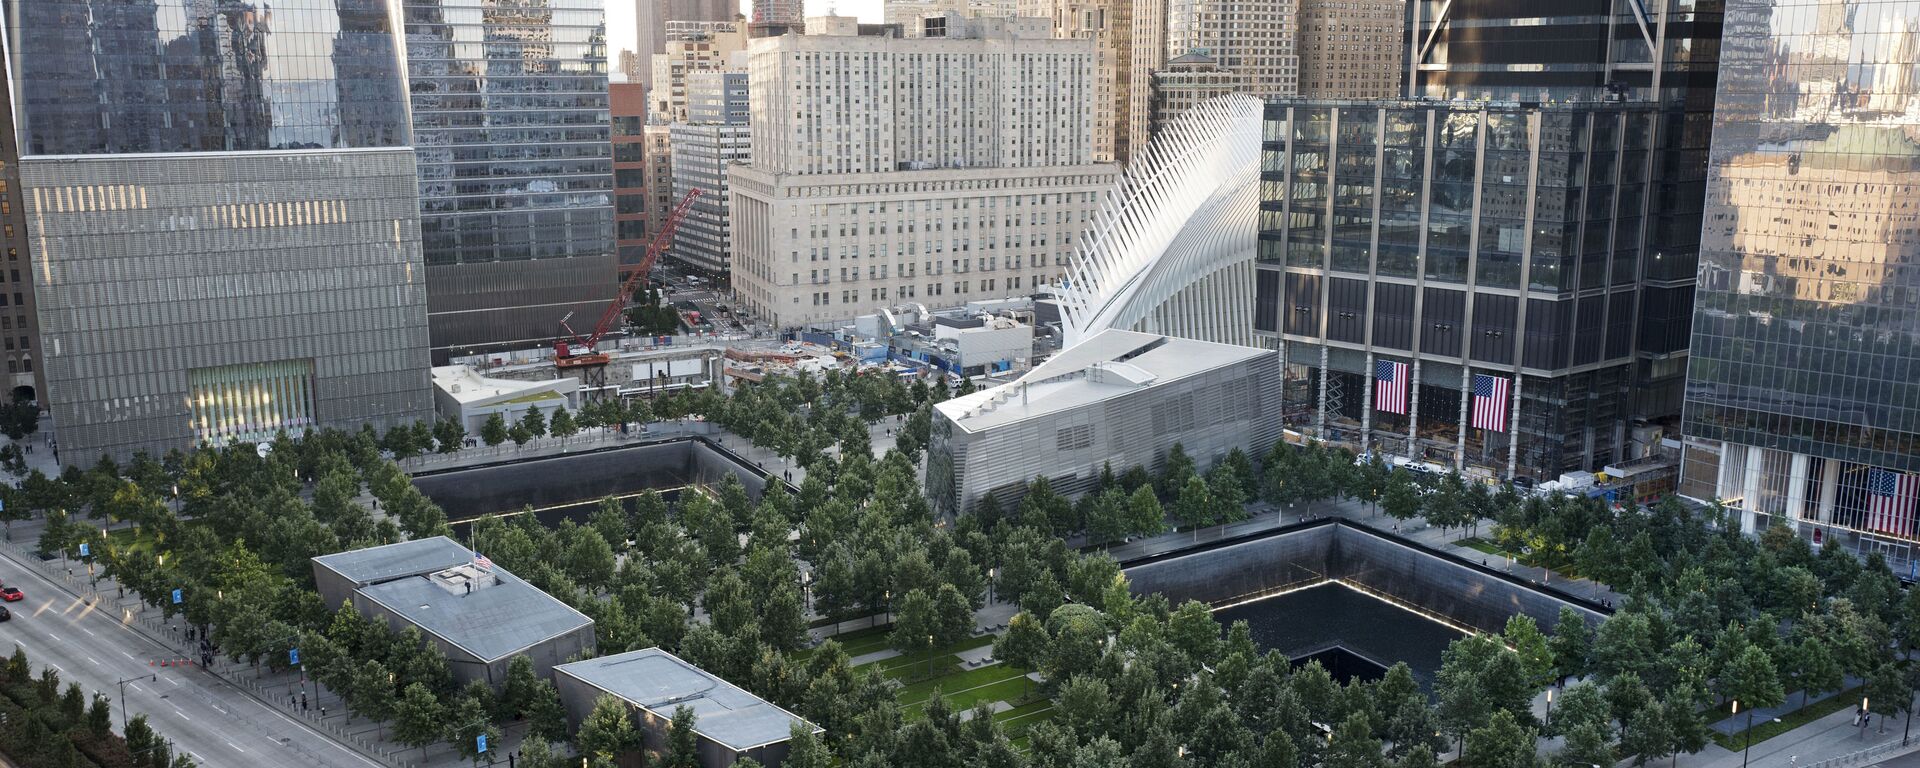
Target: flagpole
1366	405
1466	396
1413	411
1513	431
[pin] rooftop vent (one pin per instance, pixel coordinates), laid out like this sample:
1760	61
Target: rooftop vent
464	579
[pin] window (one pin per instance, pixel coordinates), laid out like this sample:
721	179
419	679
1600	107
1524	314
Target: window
629	152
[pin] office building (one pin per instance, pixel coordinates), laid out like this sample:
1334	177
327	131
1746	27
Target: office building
787	14
692	48
1566	50
1351	49
730	723
1108	23
933	190
477	614
1119	399
219	254
654	17
1252	37
1147	52
1465	283
1188	80
635	211
19	322
510	119
714	137
1803	397
907	14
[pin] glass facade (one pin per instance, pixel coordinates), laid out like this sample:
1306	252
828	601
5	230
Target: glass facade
99	77
510	122
1459	239
1803	396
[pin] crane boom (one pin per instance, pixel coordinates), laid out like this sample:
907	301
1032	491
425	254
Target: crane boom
564	349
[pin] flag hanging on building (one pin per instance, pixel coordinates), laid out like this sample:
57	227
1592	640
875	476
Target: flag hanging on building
1890	501
1390	387
1490	397
482	562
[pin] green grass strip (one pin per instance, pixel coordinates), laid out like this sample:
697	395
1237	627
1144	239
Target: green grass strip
1799	717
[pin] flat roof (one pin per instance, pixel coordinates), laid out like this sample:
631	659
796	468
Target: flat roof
491	622
391	561
1107	365
658	682
468	387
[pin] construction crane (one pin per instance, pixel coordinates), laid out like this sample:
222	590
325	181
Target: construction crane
575	352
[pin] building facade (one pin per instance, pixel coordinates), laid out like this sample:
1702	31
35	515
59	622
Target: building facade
635	212
1351	49
19	320
933	170
652	21
1803	397
1109	24
1118	399
715	137
791	14
1467	284
223	253
510	117
1254	38
692	48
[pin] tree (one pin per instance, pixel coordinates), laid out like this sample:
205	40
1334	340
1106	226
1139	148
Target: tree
1752	681
19	419
1587	744
1813	668
418	716
450	434
1502	743
805	749
1194	506
1353	745
1145	517
533	421
517	692
683	745
915	624
953	616
1536	657
1175	472
372	691
563	425
545	715
1400	501
494	431
1572	643
606	732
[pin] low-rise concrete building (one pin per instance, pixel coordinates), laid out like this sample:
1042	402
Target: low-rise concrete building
477	613
1119	398
465	395
730	722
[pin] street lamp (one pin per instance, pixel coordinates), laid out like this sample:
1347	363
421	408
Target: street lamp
1549	710
1863	716
1748	748
123	697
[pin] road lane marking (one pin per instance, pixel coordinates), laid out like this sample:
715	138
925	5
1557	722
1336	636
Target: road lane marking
176	710
235	746
89	632
128	655
91	661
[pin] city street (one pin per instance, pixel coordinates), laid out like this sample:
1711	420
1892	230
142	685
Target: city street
207	718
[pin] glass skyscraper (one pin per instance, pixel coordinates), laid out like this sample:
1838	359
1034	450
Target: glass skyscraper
220	204
1803	398
510	120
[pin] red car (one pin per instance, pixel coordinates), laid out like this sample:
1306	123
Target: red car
11	594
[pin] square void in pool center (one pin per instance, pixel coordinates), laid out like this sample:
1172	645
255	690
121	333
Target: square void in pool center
1311	620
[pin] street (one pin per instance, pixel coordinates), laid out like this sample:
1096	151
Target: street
212	721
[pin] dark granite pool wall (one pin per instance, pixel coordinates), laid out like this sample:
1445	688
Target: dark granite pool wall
1464	592
512	485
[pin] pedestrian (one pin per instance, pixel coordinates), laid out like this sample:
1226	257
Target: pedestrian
303	701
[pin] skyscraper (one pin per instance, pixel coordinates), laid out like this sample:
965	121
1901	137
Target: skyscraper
789	13
225	217
1108	23
714	136
1350	49
1803	397
510	119
651	17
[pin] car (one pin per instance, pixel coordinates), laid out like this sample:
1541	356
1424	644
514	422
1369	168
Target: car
5	614
11	594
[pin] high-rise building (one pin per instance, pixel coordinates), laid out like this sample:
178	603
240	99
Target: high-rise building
714	136
1108	23
787	13
1147	52
1185	81
651	18
635	212
692	47
19	321
887	169
907	14
1803	394
1254	38
516	207
1463	283
224	219
1351	49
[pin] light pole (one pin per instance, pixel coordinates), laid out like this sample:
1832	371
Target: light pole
1864	714
1748	748
1549	710
123	697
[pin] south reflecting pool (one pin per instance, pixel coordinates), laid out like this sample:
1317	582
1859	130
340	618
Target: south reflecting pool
1312	620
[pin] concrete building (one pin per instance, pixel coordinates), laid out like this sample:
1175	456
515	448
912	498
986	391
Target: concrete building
19	320
637	148
907	14
692	48
218	254
509	106
966	171
1148	54
1118	399
653	23
966	344
1803	393
791	14
715	136
478	614
1351	49
465	395
1254	38
1108	23
731	723
1188	80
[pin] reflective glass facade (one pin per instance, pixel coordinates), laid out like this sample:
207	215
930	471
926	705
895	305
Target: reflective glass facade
1804	391
135	76
1460	239
510	122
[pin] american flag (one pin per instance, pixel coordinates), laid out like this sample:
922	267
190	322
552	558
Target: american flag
1490	396
1390	387
482	561
1891	497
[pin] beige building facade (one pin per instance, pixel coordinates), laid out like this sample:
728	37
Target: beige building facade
693	47
1351	49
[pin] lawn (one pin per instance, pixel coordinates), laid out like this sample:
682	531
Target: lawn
1481	545
1769	729
998	682
856	643
1016	721
1562	565
902	667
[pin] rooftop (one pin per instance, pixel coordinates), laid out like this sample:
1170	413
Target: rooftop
658	682
466	386
1108	365
434	584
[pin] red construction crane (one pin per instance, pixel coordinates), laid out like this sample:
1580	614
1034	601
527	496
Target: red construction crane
574	351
